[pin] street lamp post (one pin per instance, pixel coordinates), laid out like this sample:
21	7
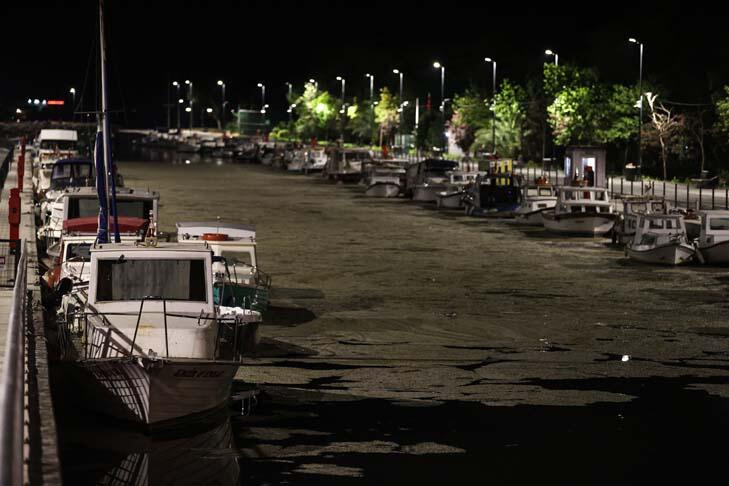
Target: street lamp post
342	111
73	102
397	71
550	52
315	83
263	94
437	65
209	111
189	100
222	104
288	98
640	102
493	99
179	101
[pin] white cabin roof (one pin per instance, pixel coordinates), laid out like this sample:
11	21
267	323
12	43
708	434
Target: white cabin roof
233	230
56	134
161	248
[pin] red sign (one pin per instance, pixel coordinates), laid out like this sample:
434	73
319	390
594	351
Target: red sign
56	102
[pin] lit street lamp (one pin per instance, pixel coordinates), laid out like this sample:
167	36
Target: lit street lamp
263	96
438	65
179	101
222	103
493	99
341	130
640	101
73	103
189	98
550	52
315	83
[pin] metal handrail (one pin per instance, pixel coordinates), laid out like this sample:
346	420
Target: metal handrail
13	384
139	318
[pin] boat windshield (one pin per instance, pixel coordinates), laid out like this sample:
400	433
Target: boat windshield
719	224
58	145
65	175
244	258
133	279
134	208
78	252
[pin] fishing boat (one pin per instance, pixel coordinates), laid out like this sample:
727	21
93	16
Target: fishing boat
383	179
494	195
580	211
316	161
246	285
451	197
150	345
660	239
627	221
712	246
426	179
345	164
535	198
297	161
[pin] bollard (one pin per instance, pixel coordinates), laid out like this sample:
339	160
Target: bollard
14	214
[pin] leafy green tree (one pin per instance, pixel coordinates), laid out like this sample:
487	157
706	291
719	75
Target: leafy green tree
721	126
361	121
470	113
620	117
386	115
316	112
430	133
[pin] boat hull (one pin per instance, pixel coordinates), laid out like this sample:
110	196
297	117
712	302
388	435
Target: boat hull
579	224
530	218
150	392
453	200
427	193
670	254
383	189
716	254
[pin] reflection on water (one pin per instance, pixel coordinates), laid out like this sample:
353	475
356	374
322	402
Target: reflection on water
97	452
167	156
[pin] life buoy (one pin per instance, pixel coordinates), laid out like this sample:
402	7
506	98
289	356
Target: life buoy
215	236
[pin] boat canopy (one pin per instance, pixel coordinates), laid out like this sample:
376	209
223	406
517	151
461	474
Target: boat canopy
56	134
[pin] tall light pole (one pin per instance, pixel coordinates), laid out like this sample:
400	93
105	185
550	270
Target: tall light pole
222	104
315	83
209	111
640	102
288	98
189	100
341	112
438	65
493	99
263	94
179	100
73	103
550	52
372	88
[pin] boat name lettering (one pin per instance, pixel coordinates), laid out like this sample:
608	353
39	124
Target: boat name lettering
198	374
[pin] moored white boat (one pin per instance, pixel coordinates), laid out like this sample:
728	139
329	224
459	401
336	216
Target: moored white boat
451	197
580	211
713	243
535	199
660	239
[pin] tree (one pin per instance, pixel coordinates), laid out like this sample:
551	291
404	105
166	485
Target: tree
361	121
696	127
510	115
470	113
386	115
621	118
667	126
316	112
722	111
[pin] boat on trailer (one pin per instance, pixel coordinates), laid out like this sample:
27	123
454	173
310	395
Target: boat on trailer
580	211
660	239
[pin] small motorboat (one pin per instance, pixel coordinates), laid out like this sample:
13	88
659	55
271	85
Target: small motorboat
660	239
580	211
712	246
495	195
633	207
452	195
535	198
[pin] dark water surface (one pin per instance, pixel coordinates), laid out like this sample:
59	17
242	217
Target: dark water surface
406	345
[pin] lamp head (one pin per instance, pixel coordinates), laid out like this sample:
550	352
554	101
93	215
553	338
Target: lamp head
436	65
633	40
396	71
220	82
187	81
488	59
549	52
260	85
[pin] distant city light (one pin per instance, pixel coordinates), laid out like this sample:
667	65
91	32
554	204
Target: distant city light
188	109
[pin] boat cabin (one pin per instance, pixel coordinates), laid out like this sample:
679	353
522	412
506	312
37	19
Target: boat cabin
714	227
345	163
427	171
72	173
582	200
653	229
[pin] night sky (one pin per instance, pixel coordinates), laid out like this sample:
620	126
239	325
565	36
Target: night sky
46	50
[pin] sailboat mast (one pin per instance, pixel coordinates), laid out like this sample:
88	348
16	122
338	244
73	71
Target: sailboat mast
104	113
